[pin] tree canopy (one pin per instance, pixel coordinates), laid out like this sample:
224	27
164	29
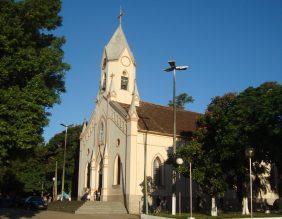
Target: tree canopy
36	172
181	100
231	124
31	73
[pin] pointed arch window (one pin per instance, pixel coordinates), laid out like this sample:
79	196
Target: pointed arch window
104	63
117	171
124	83
104	82
87	175
157	172
101	133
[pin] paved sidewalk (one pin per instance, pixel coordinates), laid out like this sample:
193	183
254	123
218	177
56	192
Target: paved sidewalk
24	214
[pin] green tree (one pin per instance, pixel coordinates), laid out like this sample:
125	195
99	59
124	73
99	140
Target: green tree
37	170
31	73
181	100
54	152
25	176
231	124
205	153
256	116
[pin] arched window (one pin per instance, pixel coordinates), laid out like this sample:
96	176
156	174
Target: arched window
87	175
117	169
157	171
124	83
104	63
104	82
101	133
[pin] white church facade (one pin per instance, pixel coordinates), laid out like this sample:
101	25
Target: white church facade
112	143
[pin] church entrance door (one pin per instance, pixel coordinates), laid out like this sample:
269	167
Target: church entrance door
100	183
88	175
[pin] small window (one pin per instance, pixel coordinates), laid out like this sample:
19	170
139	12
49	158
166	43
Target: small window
104	83
104	64
124	83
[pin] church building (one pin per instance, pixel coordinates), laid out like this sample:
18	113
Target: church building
112	143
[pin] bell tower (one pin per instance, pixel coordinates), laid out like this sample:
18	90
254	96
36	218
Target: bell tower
118	69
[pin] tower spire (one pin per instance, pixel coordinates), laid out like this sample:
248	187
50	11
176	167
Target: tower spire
121	13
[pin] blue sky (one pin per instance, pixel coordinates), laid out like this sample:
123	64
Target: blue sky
228	44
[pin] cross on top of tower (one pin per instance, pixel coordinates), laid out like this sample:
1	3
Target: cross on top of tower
121	13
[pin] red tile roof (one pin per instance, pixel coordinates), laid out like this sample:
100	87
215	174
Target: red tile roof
159	119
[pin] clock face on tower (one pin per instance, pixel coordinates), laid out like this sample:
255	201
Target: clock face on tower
125	61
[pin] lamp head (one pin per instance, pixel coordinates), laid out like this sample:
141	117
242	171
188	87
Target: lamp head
179	161
249	152
181	68
169	69
66	126
171	63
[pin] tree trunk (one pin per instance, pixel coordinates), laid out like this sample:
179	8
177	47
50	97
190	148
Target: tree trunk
245	207
213	207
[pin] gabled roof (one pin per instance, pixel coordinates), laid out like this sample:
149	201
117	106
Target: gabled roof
159	119
116	45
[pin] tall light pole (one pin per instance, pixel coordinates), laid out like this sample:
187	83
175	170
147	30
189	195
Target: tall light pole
250	153
64	159
173	68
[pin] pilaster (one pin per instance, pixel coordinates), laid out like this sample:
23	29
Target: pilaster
92	178
105	178
131	174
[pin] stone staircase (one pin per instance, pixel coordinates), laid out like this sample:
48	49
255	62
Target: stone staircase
97	207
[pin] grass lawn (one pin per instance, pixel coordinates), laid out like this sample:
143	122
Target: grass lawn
222	215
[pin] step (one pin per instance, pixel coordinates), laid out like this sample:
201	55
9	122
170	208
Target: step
101	208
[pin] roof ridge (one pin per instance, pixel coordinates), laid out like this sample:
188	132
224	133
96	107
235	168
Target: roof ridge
169	108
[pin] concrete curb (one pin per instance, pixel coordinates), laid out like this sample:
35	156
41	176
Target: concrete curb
146	216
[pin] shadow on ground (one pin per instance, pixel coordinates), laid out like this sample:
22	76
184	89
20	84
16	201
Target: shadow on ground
65	206
13	213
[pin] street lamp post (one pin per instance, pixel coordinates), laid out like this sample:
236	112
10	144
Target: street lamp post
191	194
250	153
64	159
179	162
55	180
173	68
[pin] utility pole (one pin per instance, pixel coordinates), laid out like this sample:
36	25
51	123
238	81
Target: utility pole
173	68
64	159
